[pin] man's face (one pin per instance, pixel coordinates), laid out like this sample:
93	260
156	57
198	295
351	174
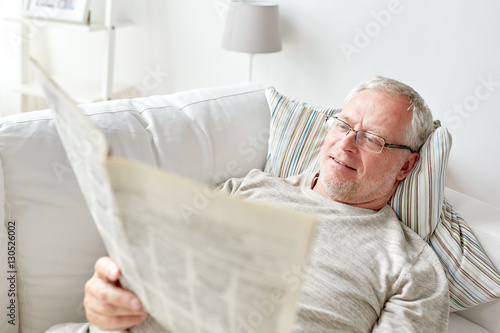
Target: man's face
359	177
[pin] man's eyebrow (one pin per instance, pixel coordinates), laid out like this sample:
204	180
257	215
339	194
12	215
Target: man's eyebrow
349	120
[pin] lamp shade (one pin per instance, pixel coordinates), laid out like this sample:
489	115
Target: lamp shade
252	27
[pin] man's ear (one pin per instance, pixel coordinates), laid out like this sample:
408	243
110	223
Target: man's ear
407	166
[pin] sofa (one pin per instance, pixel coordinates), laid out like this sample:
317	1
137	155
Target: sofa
50	244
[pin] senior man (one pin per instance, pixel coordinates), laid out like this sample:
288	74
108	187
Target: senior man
367	272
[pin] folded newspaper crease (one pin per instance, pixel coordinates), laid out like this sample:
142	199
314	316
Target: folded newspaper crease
200	261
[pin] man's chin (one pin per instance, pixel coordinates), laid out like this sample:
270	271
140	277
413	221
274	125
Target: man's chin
338	190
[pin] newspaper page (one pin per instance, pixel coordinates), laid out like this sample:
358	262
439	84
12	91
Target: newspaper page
87	150
200	261
226	264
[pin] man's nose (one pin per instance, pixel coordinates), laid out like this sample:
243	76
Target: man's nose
348	142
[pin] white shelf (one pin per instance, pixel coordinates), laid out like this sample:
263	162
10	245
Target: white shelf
95	26
80	89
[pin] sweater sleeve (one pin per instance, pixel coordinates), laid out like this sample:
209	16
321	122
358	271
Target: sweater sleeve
71	327
233	185
230	186
420	301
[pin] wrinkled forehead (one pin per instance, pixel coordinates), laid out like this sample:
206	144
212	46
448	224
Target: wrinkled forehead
382	113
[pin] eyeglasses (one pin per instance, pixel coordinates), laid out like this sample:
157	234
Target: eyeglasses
366	140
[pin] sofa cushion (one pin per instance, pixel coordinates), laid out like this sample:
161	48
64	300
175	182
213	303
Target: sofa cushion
8	283
192	133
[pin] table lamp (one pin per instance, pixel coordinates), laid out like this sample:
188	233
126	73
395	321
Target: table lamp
252	27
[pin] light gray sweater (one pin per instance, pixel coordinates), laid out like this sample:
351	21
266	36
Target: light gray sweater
368	272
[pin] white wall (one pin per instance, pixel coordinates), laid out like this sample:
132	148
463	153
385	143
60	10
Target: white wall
447	50
9	101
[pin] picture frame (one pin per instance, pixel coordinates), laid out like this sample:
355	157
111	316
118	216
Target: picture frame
76	11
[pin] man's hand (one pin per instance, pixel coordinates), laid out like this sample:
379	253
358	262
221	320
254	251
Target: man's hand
107	305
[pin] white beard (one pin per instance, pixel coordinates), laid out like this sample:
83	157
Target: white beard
353	192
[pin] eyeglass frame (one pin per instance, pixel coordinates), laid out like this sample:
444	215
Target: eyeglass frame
386	145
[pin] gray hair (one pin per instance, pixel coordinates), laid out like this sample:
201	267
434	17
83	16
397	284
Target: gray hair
422	122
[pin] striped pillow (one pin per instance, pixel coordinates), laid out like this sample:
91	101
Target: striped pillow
297	132
418	200
294	145
472	278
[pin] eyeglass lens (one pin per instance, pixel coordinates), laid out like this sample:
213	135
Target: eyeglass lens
365	140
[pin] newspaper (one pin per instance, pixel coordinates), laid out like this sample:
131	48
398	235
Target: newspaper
200	261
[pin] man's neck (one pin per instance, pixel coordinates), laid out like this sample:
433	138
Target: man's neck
375	204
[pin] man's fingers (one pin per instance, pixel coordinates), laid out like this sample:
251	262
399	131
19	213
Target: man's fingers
108	297
107	305
117	323
107	268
